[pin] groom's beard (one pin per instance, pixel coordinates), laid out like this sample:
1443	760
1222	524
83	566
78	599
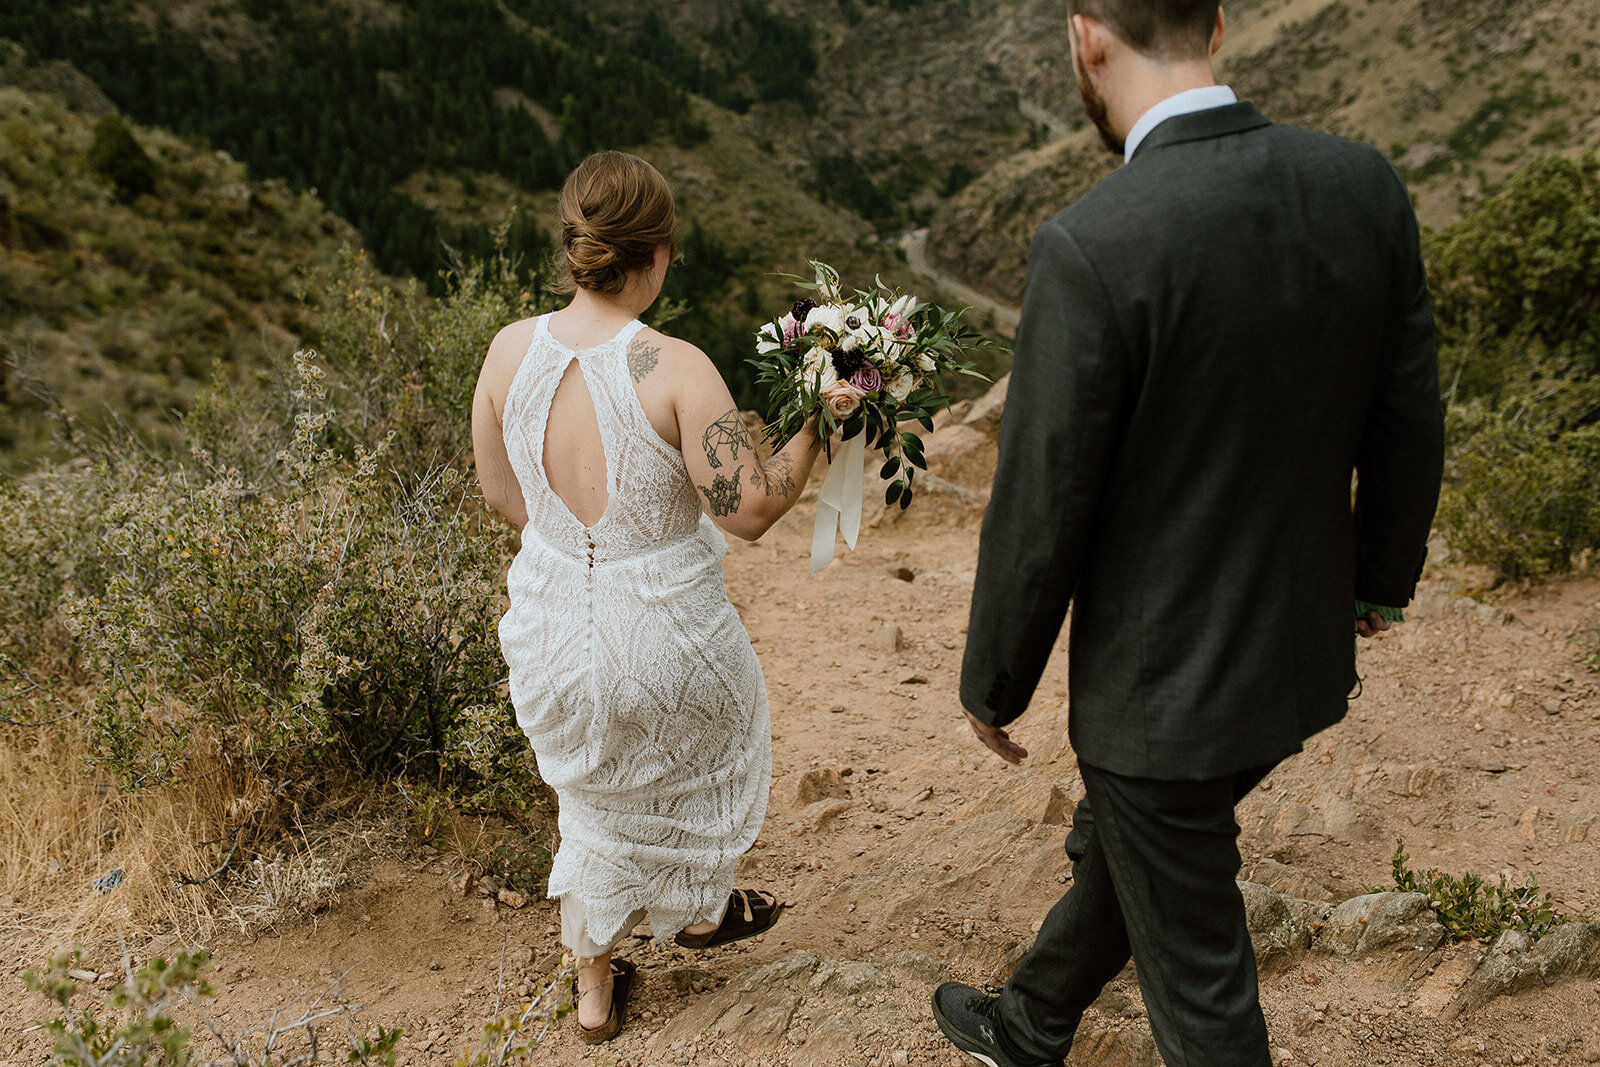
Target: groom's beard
1094	105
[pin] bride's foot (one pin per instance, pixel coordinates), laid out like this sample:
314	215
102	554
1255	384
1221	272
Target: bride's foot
749	912
594	992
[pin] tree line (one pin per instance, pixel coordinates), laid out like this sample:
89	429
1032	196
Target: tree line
352	112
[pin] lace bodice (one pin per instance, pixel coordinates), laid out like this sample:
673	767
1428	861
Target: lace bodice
652	502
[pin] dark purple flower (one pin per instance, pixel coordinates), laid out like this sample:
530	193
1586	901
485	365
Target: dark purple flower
867	379
845	364
801	309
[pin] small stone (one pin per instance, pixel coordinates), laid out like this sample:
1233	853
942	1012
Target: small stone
511	898
1552	707
1527	824
899	1057
435	965
889	639
900	571
1494	765
819	784
488	885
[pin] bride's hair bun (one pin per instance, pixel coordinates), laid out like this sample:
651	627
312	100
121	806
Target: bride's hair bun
616	210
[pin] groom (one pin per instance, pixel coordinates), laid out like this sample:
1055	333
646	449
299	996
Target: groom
1214	340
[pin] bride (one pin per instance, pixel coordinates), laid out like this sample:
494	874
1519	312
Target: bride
601	440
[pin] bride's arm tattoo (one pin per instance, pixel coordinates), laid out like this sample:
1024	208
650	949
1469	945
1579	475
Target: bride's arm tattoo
728	433
642	359
777	475
724	494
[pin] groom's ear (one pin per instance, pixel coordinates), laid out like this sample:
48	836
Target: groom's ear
1090	36
1218	31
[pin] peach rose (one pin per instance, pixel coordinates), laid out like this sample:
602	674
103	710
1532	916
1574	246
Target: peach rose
842	398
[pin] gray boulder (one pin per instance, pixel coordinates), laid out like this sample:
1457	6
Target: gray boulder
1376	922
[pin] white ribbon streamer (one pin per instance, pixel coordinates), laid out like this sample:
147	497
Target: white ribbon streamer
839	503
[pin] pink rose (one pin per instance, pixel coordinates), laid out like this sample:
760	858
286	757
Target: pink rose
899	326
842	398
867	379
791	328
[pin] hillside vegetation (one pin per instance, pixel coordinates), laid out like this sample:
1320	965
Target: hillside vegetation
133	263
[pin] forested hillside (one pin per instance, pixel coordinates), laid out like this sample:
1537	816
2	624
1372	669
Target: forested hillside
131	264
425	125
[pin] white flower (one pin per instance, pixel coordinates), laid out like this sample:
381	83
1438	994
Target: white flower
924	362
865	335
903	307
900	385
818	369
827	317
768	339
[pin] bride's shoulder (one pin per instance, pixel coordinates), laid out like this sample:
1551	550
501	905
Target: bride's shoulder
656	348
515	336
511	344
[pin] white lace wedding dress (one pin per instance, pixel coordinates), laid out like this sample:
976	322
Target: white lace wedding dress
631	673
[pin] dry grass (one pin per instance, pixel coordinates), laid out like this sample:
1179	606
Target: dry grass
63	826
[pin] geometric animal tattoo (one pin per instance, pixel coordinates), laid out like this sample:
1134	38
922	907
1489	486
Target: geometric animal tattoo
730	433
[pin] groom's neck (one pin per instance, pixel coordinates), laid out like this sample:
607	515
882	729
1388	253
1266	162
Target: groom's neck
1146	82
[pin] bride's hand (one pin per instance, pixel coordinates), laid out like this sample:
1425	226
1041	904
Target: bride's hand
996	739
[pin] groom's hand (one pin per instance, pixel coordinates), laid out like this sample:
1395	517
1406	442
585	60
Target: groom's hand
1371	624
996	738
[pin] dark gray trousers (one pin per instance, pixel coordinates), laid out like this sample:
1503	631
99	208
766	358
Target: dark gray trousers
1154	864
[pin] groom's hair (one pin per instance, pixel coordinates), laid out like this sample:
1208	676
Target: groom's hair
1160	29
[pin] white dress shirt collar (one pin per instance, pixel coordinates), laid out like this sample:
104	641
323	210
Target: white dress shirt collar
1184	103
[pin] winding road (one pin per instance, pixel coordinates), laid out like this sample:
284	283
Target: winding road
915	244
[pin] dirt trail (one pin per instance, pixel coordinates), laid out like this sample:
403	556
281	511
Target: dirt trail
910	853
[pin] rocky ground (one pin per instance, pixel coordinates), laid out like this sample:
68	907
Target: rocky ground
911	854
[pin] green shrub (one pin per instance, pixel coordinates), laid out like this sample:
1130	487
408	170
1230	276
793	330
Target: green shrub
1516	283
119	158
1521	496
1471	908
1516	288
344	621
145	1033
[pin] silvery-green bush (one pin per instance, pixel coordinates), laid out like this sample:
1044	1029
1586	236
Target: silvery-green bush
314	589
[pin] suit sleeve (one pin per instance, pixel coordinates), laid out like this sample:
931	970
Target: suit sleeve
1400	460
1063	420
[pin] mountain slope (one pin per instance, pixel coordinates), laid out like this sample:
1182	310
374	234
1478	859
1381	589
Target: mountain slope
117	303
1458	93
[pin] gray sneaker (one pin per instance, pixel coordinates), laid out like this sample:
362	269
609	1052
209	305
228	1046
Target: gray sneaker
966	1015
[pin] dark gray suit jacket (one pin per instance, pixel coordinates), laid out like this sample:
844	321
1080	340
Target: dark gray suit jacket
1213	339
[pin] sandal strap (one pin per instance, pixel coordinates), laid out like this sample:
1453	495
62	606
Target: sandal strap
743	898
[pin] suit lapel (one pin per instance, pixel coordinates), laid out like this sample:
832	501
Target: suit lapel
1202	126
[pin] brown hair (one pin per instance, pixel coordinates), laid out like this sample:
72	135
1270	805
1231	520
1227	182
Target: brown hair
616	210
1160	29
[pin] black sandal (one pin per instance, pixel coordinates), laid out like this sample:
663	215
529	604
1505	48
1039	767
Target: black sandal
622	973
750	912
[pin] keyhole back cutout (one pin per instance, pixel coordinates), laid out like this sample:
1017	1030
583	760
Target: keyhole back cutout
574	453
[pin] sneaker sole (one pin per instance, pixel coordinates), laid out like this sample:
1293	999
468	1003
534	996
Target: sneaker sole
959	1040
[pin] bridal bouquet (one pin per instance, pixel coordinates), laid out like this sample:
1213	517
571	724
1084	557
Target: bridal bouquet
863	363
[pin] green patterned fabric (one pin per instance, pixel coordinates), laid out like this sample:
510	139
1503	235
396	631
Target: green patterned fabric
1390	614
